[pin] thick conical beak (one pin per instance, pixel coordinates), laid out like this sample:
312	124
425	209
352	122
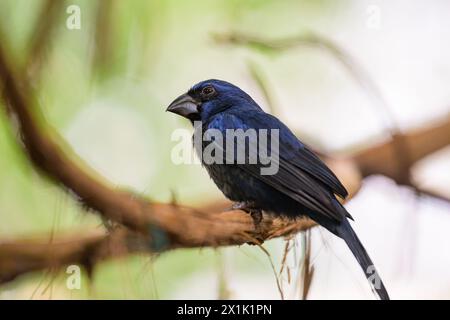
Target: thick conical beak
184	105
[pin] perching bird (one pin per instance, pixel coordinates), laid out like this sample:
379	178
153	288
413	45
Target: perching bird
303	184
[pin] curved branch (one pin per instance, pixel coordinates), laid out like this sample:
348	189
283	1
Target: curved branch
87	249
356	70
382	159
22	256
45	25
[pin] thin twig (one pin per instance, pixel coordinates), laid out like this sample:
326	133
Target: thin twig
50	14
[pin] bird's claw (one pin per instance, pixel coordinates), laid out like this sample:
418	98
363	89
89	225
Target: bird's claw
257	216
250	208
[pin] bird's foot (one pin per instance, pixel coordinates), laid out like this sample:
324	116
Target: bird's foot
257	216
250	208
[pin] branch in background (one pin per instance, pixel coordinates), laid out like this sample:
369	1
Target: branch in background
421	142
312	39
84	249
45	25
103	49
260	80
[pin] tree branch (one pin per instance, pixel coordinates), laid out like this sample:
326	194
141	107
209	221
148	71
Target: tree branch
49	15
87	249
383	159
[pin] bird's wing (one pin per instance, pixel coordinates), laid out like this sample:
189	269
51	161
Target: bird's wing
301	175
306	160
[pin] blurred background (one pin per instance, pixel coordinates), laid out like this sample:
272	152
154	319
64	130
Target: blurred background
104	84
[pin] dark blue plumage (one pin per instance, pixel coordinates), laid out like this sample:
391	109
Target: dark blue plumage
303	185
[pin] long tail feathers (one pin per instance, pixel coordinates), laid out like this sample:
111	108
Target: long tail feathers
346	232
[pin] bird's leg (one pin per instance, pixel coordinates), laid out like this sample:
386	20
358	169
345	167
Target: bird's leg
257	216
250	208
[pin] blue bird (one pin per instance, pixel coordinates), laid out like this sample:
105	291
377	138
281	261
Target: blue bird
302	185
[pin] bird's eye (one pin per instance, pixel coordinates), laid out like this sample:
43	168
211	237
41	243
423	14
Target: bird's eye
208	91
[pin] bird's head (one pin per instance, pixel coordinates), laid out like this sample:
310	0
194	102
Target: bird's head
208	98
